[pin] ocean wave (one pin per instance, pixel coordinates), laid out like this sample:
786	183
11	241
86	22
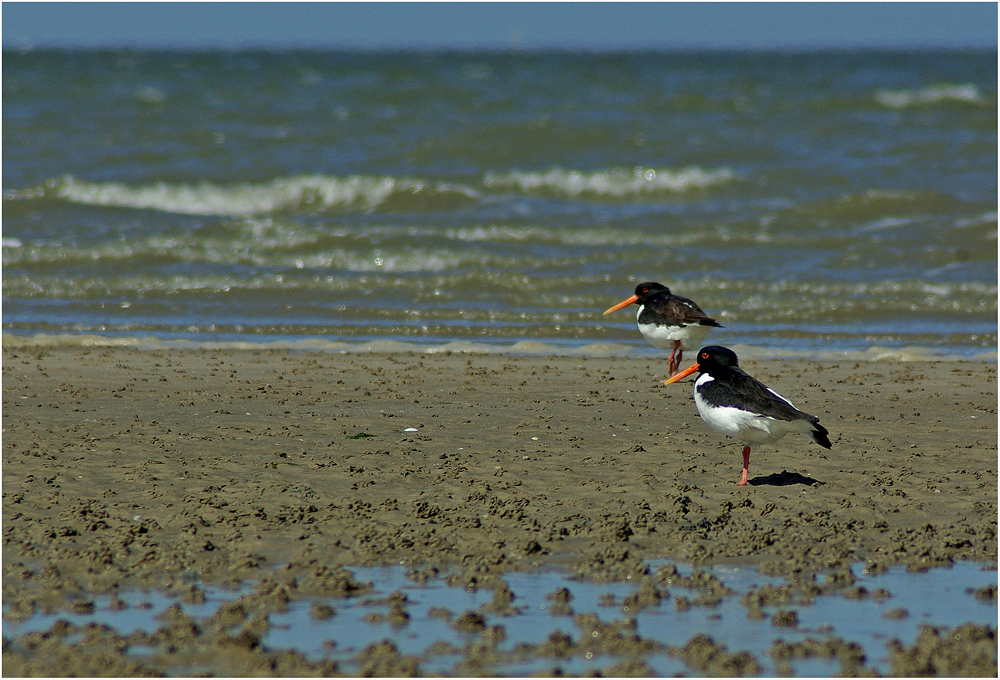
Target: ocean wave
147	255
874	353
986	219
288	243
308	192
615	183
933	94
877	205
361	192
450	290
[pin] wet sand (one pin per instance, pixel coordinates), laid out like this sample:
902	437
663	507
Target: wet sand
129	468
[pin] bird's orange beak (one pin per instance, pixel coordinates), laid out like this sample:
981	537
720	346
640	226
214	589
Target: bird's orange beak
683	374
624	303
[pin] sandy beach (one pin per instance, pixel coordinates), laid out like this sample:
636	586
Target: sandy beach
155	469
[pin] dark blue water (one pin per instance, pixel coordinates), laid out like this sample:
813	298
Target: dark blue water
831	203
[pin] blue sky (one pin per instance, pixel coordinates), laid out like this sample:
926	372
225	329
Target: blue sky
522	25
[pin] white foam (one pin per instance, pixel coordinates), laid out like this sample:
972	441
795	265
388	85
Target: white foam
898	99
244	200
577	236
984	219
614	182
361	192
887	223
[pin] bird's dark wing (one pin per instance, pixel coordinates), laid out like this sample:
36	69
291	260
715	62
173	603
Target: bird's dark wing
745	392
678	311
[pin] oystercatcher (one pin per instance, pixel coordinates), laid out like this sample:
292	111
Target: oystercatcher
668	321
735	404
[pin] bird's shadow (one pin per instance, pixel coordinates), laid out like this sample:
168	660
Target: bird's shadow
784	478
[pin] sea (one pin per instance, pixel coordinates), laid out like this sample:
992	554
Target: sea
823	204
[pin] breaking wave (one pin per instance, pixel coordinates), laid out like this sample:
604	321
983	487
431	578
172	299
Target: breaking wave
319	193
307	192
615	183
934	94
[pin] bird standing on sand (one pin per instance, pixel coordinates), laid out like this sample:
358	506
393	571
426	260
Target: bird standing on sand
735	404
668	321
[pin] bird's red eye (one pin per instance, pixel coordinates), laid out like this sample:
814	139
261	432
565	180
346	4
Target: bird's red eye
704	355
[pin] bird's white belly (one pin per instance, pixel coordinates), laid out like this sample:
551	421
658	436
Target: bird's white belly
747	427
663	337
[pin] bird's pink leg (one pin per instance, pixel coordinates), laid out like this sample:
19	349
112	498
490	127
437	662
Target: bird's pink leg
746	466
674	362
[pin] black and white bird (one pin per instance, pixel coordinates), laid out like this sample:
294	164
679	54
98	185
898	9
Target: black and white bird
668	321
732	402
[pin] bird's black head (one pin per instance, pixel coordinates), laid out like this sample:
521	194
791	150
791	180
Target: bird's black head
644	290
714	357
713	360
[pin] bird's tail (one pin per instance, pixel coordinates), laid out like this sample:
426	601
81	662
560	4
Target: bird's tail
819	434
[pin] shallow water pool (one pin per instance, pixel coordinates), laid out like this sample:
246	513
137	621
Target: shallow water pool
876	608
